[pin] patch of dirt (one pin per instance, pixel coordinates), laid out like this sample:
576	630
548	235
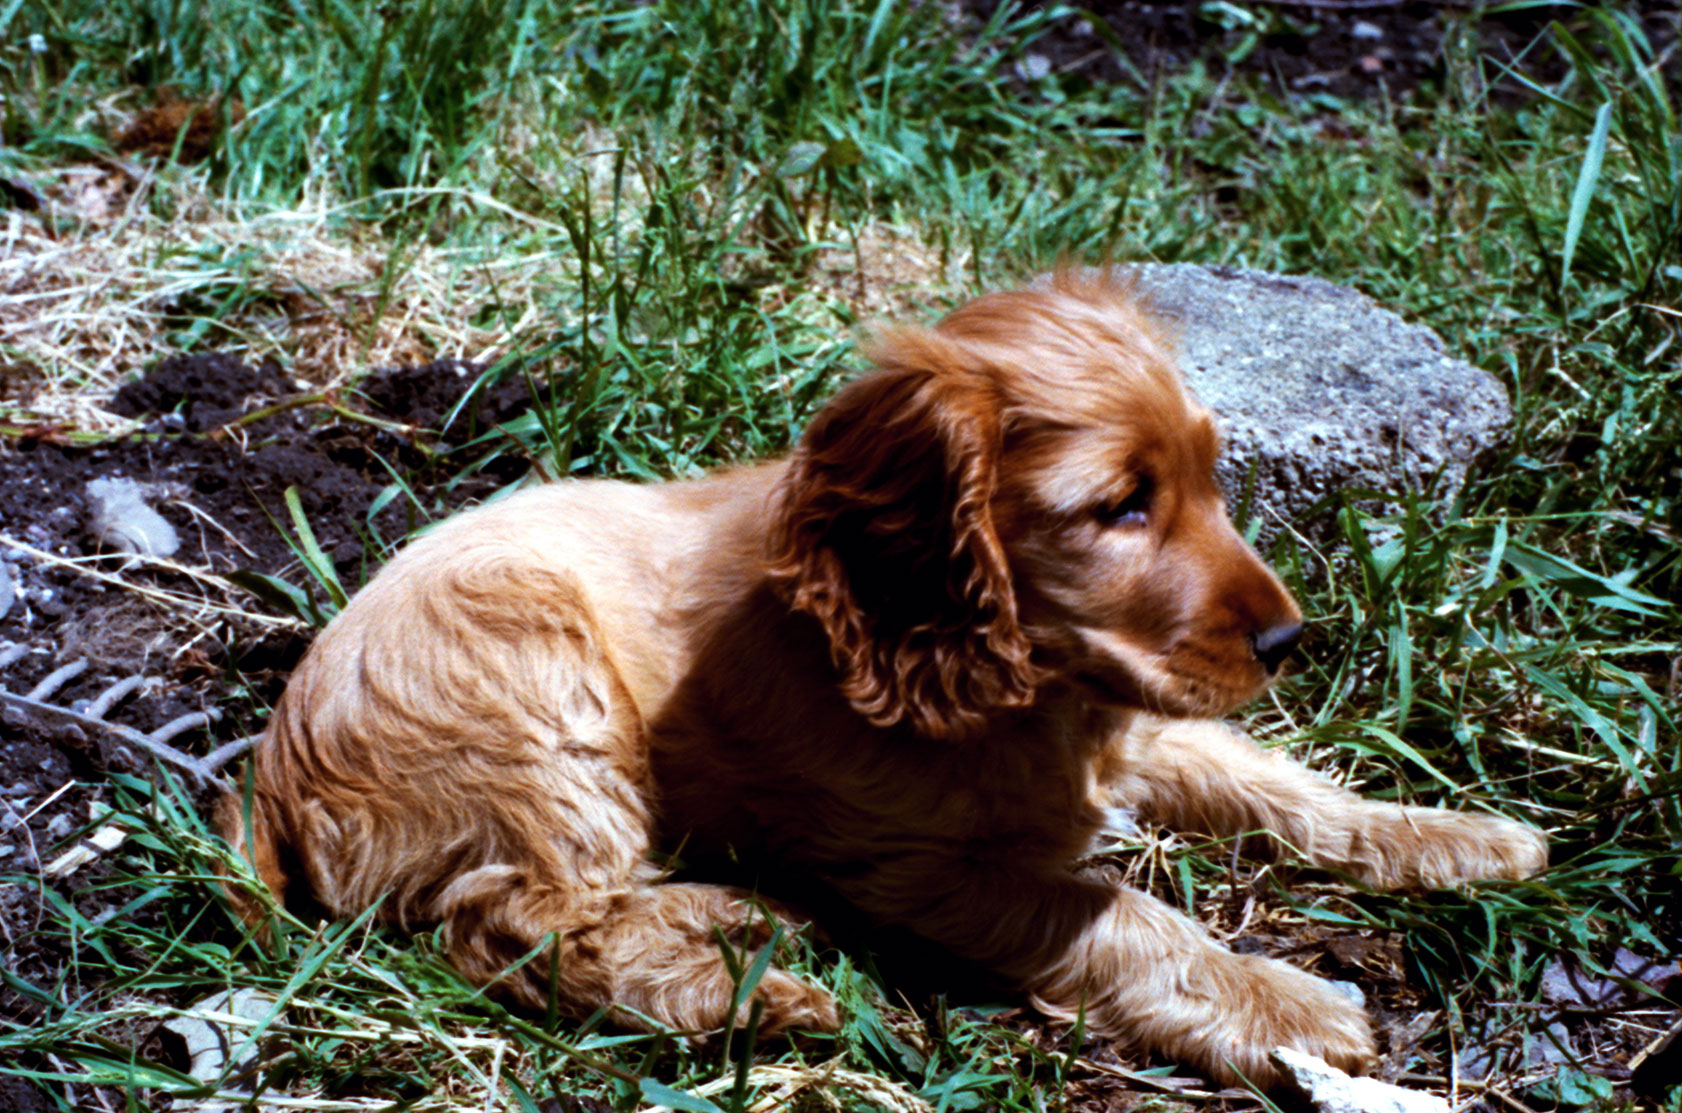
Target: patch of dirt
1347	48
183	128
200	392
221	445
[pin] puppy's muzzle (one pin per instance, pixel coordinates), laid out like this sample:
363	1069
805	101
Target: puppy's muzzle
1273	645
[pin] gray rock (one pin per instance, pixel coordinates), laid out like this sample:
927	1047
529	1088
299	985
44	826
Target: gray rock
1320	389
1549	1047
1631	978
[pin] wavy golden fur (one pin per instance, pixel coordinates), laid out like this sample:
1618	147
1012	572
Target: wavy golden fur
992	593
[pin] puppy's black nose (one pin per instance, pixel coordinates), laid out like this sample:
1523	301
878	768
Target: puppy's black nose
1274	644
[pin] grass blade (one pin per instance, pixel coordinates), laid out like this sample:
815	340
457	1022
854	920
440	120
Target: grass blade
1586	179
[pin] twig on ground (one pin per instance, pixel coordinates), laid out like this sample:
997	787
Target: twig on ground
1189	1088
169	598
204	770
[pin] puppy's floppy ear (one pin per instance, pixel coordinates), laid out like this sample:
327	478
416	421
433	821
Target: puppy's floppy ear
884	534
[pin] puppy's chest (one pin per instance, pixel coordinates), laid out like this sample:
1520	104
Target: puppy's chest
885	798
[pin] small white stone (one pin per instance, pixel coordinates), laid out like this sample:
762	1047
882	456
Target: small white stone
1328	1090
217	1032
105	839
120	517
213	1030
1033	67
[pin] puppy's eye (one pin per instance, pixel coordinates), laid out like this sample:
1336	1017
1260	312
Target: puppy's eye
1131	511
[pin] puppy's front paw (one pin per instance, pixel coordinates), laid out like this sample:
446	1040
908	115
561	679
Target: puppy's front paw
1494	850
1271	1004
1429	849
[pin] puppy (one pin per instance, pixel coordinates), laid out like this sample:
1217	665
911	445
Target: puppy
991	593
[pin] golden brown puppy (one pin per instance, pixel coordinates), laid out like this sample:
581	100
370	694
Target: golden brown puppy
992	592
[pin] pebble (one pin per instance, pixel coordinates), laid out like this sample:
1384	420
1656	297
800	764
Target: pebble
120	517
1033	67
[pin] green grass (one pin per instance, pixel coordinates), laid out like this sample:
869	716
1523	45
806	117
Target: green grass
682	170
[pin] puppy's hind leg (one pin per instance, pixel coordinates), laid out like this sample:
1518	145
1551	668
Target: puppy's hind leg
1204	776
647	953
483	766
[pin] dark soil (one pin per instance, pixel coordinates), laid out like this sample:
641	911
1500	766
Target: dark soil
216	463
1350	49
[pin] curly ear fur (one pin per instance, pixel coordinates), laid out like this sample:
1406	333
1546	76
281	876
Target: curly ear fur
885	535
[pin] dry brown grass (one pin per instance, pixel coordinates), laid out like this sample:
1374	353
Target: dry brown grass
94	284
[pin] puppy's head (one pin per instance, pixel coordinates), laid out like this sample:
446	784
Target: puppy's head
1026	492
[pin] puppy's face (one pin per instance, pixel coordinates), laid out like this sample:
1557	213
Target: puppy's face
1025	492
1129	578
1128	571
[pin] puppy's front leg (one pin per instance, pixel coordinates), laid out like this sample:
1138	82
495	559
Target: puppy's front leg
1207	777
1135	969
